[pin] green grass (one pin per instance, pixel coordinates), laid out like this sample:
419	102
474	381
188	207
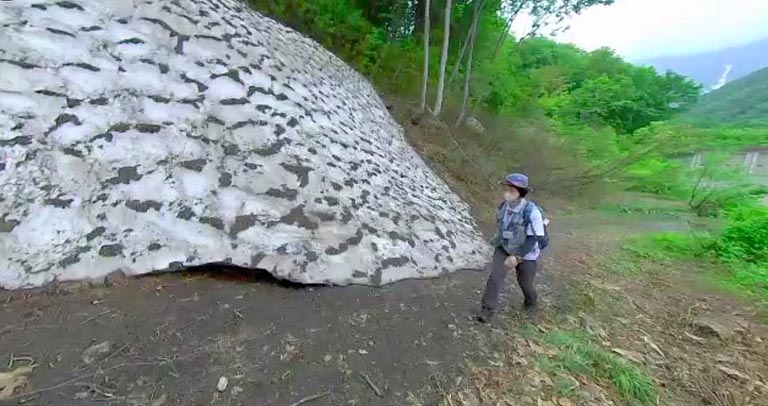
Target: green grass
579	354
744	279
667	246
645	254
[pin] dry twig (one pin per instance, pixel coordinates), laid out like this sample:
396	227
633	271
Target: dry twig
311	398
371	384
82	377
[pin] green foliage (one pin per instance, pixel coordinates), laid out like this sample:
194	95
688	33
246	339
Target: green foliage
579	354
336	24
749	278
625	97
656	175
742	101
716	186
739	250
581	89
668	246
745	237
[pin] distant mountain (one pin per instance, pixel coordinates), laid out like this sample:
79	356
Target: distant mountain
716	68
744	100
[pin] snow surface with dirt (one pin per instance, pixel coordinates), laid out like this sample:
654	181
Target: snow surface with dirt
150	135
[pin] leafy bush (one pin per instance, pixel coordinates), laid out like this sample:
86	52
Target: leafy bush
338	25
745	237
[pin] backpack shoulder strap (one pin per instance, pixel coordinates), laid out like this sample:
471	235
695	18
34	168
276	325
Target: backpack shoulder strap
527	211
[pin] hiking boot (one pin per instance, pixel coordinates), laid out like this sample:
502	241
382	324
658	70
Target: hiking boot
485	316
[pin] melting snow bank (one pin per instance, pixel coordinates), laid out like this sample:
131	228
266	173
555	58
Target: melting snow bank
151	135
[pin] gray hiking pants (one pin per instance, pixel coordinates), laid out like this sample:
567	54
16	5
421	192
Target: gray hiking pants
526	272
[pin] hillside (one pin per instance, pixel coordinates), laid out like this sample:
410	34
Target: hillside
710	68
742	101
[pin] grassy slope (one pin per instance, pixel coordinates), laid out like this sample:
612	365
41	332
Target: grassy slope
742	101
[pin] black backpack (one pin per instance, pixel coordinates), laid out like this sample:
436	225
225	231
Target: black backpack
543	241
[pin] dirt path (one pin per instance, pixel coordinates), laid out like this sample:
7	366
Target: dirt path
172	337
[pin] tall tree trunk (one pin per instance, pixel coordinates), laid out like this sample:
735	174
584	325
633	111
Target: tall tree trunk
443	59
468	73
502	37
507	26
472	28
425	75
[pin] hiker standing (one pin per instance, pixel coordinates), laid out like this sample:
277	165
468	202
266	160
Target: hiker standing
519	239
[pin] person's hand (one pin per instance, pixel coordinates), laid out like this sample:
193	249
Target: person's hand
511	262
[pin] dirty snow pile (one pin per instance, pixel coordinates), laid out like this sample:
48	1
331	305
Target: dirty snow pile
150	135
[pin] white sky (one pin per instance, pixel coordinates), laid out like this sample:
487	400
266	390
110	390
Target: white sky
648	28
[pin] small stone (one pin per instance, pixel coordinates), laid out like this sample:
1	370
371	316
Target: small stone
114	278
327	358
711	327
160	401
452	327
362	352
93	352
221	386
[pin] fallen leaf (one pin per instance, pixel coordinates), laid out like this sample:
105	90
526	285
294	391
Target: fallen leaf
160	401
519	361
694	338
565	402
541	350
15	379
633	356
654	346
733	373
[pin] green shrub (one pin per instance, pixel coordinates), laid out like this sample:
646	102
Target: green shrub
338	25
752	278
745	237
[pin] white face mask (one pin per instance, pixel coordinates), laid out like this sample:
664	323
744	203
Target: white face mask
511	197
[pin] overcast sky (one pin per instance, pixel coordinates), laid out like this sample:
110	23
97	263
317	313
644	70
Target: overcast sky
648	28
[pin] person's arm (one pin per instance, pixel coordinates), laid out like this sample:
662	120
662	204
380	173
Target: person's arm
534	232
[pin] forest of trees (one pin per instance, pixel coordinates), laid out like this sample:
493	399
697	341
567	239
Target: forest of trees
472	53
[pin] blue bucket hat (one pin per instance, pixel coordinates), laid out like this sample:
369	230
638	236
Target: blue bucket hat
518	180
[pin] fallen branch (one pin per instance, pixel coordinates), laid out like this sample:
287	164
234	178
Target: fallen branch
310	398
654	346
370	383
80	378
694	338
96	316
14	358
